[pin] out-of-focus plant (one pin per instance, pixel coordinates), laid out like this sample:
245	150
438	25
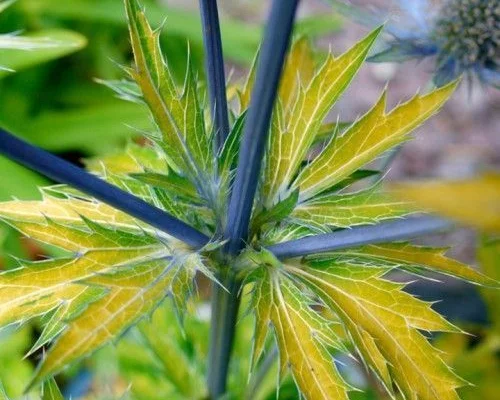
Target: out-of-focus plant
473	202
247	204
462	35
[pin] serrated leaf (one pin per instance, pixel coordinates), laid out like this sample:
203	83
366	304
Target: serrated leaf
277	213
178	116
133	293
68	211
299	70
376	312
51	390
373	134
49	285
115	275
345	210
302	335
293	130
421	258
330	129
474	202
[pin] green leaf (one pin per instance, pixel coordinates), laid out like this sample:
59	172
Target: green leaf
20	52
5	3
3	395
178	116
366	139
229	152
345	210
384	323
17	181
240	38
277	213
294	127
15	371
175	363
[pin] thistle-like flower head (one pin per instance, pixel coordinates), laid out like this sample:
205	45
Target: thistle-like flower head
467	34
463	36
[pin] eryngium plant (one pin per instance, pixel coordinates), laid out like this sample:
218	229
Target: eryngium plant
317	298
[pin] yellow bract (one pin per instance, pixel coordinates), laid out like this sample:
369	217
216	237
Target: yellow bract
132	293
418	257
384	323
373	134
115	274
345	210
302	335
302	107
68	211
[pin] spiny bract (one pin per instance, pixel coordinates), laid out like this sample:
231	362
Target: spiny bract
118	270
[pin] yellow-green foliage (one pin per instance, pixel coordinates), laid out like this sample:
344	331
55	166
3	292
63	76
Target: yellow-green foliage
118	270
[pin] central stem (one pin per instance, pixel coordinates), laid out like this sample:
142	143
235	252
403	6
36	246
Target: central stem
225	305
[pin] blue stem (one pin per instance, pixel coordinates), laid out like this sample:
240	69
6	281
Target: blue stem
64	172
225	304
272	56
214	62
401	229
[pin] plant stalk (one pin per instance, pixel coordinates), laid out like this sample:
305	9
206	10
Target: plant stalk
225	306
214	66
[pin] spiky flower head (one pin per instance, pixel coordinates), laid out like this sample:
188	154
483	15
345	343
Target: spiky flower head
468	34
463	36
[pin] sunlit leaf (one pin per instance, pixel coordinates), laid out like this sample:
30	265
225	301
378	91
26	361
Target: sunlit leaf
303	337
344	210
419	259
295	124
115	274
373	134
384	323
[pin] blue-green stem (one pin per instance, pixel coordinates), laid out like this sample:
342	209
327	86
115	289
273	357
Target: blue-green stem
214	66
225	304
